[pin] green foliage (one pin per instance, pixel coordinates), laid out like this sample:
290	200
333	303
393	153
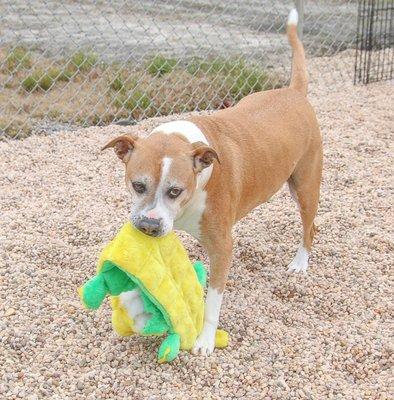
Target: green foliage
116	90
45	80
161	65
30	83
133	101
240	79
63	75
122	83
58	74
38	80
215	66
247	81
82	62
117	84
18	58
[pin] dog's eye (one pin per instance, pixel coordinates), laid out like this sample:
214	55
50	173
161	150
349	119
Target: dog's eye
174	192
139	187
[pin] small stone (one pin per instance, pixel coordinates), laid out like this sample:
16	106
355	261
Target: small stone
9	312
282	383
71	309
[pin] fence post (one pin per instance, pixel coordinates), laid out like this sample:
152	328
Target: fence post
300	9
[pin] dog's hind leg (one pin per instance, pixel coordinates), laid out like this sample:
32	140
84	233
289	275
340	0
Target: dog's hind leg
304	185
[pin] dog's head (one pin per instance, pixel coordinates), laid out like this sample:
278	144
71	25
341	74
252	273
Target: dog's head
161	176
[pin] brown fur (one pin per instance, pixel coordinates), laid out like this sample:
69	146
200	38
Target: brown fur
267	139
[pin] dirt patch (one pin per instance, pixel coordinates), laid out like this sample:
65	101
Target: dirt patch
323	335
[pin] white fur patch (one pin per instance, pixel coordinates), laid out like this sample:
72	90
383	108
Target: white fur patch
140	322
213	302
160	208
190	218
205	342
132	302
186	128
166	164
165	169
300	262
293	17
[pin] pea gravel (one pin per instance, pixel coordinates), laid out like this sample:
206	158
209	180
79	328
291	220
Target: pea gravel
324	335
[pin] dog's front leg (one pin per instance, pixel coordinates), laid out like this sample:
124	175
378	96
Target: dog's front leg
220	254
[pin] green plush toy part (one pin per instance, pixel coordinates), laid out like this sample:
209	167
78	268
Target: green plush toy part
154	290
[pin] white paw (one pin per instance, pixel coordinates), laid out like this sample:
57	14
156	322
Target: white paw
205	343
300	262
297	267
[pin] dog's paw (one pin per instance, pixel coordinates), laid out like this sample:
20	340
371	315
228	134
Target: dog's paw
296	267
205	343
300	262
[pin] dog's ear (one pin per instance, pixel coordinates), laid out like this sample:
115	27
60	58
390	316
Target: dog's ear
123	146
203	156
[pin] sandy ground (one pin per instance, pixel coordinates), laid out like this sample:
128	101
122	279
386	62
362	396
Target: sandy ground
323	335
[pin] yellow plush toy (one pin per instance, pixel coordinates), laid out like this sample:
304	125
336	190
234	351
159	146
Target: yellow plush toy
154	289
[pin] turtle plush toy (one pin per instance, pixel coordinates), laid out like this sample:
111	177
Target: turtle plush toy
154	289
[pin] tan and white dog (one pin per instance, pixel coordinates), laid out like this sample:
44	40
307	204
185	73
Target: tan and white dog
204	174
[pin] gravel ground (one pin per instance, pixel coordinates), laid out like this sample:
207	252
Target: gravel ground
316	336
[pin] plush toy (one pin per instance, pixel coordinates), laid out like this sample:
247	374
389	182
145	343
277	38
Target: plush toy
154	290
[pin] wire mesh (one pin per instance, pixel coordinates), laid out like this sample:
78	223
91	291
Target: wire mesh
65	64
375	41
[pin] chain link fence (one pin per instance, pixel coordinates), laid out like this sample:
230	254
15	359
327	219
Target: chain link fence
65	64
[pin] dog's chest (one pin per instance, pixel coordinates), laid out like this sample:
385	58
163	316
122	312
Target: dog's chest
190	219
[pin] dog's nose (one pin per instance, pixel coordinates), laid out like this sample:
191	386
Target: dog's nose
150	226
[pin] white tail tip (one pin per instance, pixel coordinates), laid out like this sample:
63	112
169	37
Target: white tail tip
293	17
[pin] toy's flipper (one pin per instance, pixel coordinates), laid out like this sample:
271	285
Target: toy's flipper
221	339
111	280
93	292
169	349
201	273
116	280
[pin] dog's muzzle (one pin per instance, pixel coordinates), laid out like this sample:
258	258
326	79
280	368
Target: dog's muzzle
150	226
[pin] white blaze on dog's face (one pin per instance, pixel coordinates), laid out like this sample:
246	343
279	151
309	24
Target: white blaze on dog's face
161	176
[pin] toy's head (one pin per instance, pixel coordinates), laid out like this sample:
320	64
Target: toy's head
162	174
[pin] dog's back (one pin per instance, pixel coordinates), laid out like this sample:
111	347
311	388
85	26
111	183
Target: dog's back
276	127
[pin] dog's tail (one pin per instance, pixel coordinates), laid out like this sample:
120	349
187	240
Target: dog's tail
299	75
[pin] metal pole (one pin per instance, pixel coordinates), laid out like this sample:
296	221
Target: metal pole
370	38
300	8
